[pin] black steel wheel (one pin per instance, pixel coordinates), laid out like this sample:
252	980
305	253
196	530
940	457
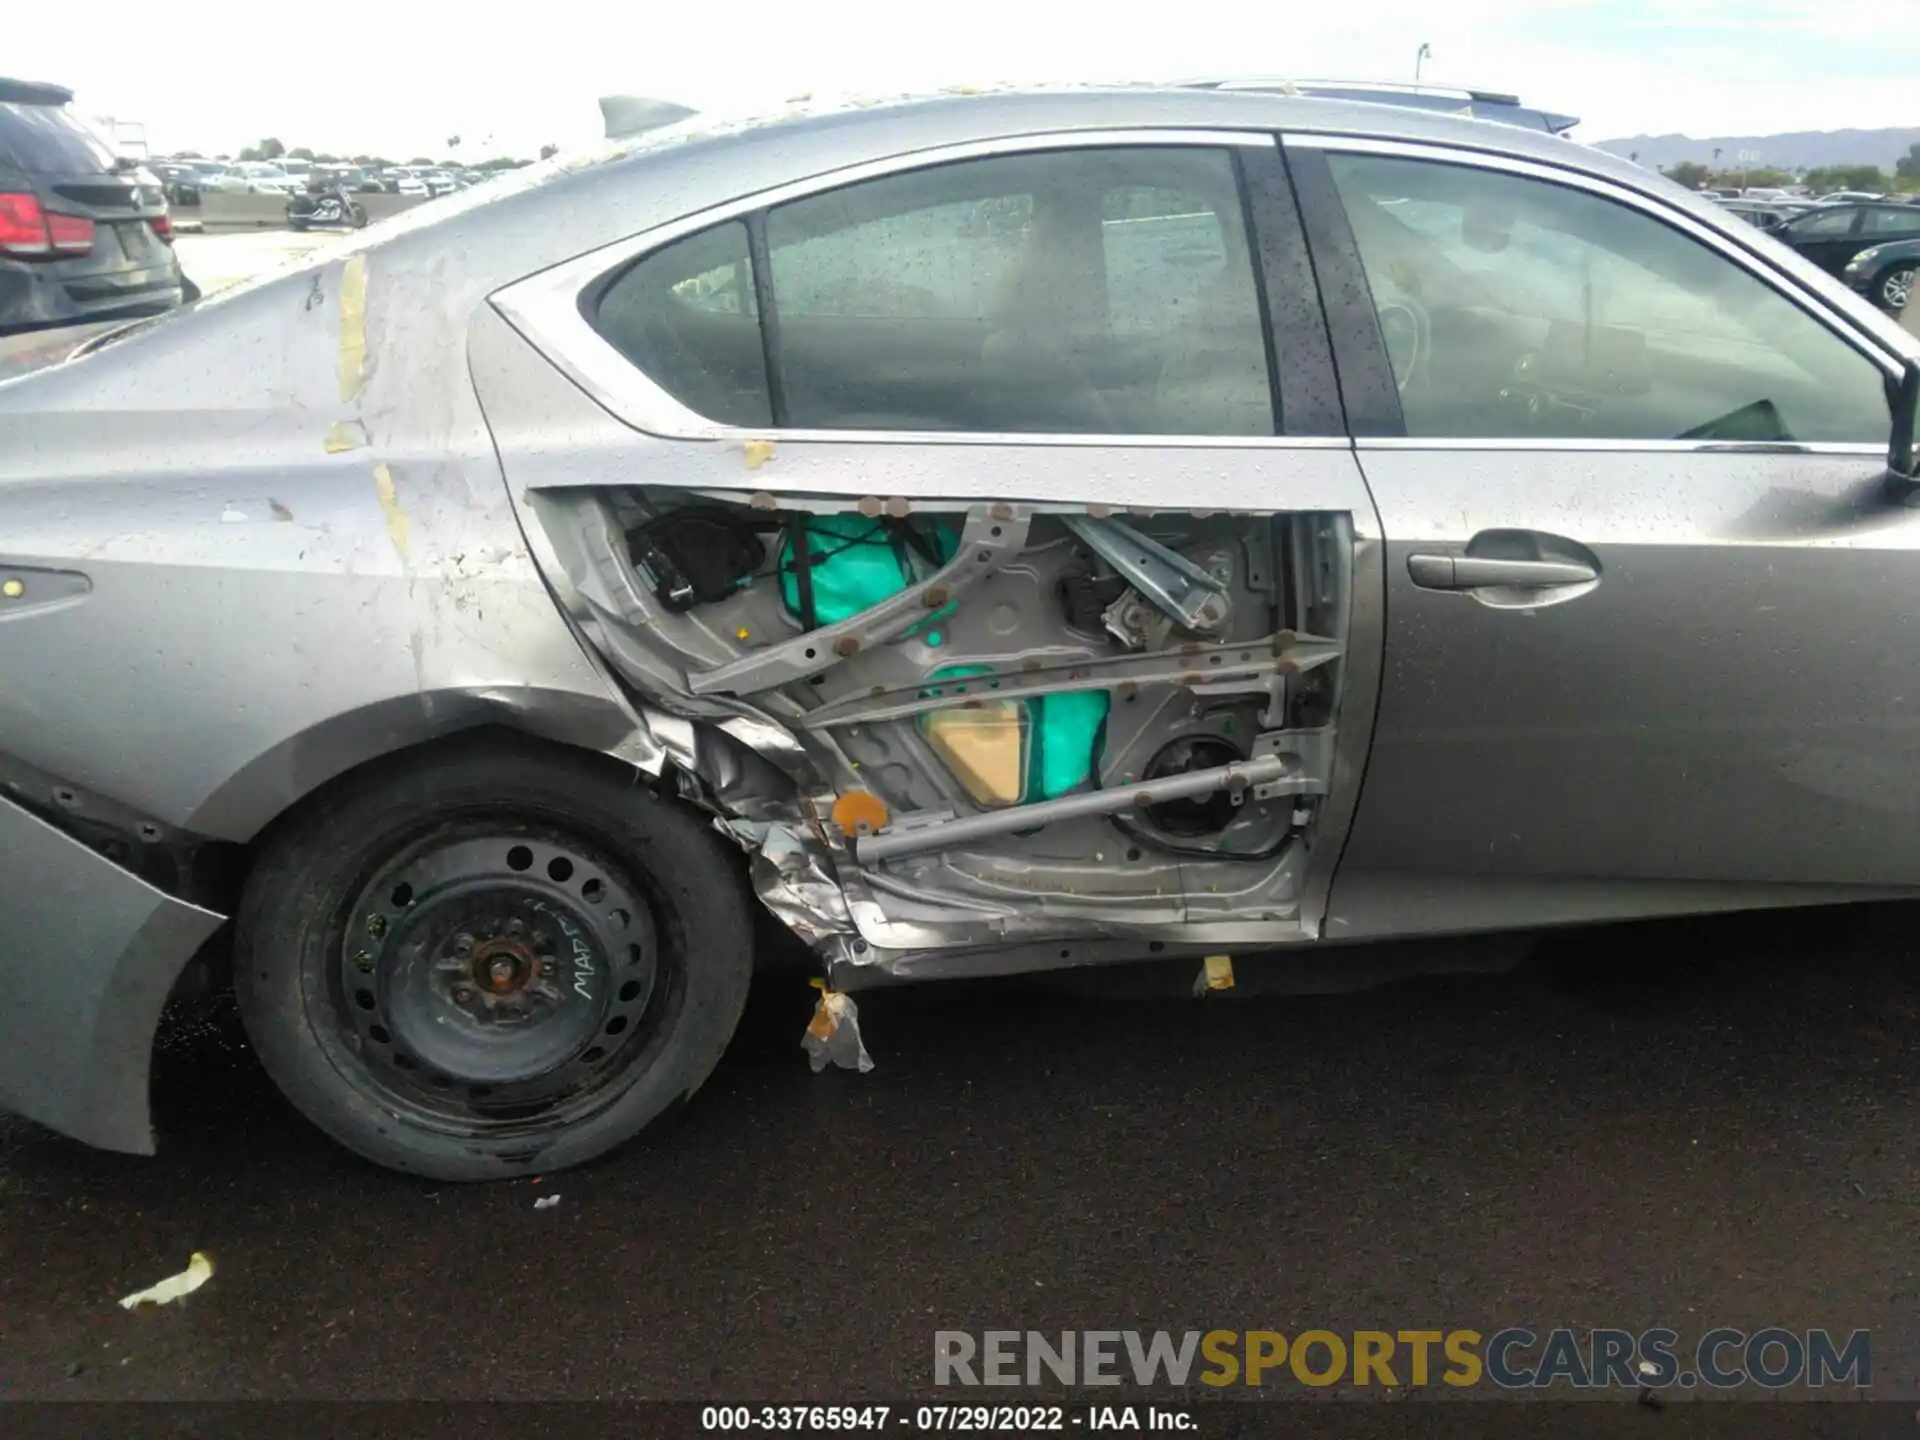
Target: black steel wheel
499	961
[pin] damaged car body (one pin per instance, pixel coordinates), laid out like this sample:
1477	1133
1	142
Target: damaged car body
996	532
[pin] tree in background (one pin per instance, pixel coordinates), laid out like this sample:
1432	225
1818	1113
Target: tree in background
267	149
1846	177
1689	173
1907	168
547	152
300	152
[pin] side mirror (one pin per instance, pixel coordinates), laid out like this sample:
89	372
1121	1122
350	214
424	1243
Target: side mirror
1905	397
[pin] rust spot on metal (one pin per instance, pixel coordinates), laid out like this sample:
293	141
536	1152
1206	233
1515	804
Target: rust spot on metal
973	704
1000	512
935	597
1127	690
761	500
1143	799
846	645
1191	648
1287	667
1029	665
898	508
876	692
1193	678
869	505
758	452
1079	672
1283	640
280	512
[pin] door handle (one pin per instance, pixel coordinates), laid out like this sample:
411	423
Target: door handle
1470	572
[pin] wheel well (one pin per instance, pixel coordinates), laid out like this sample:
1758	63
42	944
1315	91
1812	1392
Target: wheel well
223	869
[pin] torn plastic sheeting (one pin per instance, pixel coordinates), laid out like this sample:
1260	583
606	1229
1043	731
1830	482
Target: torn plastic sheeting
199	1270
1216	973
833	1036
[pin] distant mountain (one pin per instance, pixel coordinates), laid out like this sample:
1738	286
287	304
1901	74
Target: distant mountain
1801	150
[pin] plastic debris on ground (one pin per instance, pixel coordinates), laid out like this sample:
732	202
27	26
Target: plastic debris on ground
833	1036
1216	973
199	1270
546	1202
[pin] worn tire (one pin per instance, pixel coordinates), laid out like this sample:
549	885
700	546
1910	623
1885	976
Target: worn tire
301	897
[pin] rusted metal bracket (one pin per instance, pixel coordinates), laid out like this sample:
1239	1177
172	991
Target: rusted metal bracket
993	535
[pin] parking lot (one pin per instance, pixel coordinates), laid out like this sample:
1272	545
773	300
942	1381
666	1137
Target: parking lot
1685	1124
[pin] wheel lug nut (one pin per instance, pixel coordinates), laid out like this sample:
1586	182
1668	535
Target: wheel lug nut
516	929
363	962
376	925
547	966
463	994
463	945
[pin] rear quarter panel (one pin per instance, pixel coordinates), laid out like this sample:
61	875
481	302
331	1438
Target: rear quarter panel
266	541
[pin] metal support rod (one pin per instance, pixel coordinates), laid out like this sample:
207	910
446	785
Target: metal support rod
950	834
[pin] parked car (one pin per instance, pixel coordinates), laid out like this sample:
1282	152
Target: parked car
437	182
1439	99
404	182
1764	215
1851	197
84	235
181	181
1831	235
216	175
263	177
1885	273
548	596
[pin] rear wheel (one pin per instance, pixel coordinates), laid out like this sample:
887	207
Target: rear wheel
492	962
1895	288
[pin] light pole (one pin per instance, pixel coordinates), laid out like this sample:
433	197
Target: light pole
1421	56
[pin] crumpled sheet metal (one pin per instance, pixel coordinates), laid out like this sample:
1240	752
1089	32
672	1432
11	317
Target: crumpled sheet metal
792	878
833	1035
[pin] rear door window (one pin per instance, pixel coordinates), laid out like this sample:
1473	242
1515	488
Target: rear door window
50	140
1099	291
1073	292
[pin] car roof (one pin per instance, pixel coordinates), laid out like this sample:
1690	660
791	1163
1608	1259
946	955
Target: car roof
961	114
33	92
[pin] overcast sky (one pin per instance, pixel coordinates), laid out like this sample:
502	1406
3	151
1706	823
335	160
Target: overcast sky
398	79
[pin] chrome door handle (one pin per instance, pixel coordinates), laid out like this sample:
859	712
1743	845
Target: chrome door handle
1470	572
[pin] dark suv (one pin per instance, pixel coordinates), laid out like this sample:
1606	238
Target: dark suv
82	236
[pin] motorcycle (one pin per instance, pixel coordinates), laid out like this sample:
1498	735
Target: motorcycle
331	209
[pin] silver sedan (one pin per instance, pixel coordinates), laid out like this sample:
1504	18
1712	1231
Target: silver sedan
981	533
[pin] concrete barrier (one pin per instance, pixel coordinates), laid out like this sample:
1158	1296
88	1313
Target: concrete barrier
236	210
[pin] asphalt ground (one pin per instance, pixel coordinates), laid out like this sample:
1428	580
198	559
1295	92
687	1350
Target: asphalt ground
1687	1125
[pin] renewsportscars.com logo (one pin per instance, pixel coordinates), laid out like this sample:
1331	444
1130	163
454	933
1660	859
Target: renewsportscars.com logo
1511	1359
